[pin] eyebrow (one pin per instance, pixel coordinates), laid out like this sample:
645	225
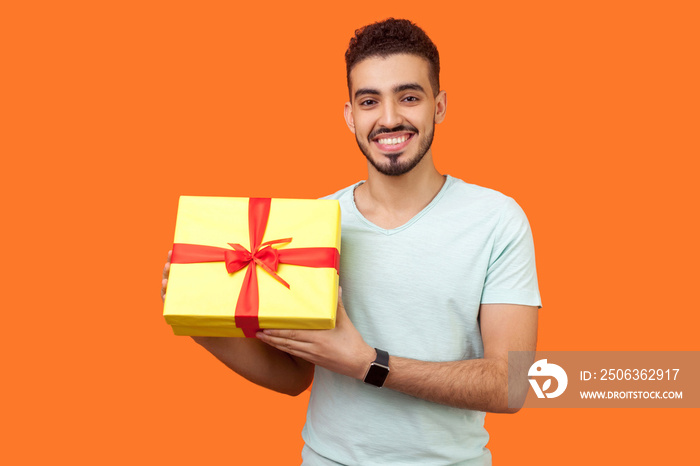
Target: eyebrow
409	87
366	91
395	90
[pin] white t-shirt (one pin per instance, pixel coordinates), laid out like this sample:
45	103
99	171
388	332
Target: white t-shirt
415	292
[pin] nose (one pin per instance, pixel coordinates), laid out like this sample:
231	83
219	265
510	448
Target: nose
390	116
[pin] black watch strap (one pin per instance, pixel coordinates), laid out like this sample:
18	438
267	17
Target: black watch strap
378	370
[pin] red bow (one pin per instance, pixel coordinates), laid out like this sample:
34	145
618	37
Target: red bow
263	254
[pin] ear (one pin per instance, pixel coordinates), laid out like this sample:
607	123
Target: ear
349	119
440	106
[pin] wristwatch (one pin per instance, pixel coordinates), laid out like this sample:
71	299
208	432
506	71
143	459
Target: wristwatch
378	369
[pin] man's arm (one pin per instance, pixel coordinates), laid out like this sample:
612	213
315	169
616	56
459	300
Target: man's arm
260	363
479	384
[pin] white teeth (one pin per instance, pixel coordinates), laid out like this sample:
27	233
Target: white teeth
392	141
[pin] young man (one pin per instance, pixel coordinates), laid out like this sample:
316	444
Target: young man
438	273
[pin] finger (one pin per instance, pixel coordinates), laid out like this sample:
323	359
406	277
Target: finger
341	307
166	267
282	333
342	318
295	335
287	345
163	288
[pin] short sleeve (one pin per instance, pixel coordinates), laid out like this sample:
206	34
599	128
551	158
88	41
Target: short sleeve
511	277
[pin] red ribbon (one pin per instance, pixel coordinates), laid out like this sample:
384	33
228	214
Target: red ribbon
263	255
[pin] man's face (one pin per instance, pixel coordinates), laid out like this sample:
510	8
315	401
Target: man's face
393	111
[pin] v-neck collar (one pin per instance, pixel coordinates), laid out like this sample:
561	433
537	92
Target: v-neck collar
448	181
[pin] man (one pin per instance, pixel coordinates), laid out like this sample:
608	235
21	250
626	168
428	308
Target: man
438	273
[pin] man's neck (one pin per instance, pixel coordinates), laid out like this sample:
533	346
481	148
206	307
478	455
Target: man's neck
391	201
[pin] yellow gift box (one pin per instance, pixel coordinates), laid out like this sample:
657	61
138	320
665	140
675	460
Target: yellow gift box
240	264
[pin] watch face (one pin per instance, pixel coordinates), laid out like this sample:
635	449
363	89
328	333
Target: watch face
377	374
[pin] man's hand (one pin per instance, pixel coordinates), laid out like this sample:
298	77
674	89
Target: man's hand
340	349
166	274
477	384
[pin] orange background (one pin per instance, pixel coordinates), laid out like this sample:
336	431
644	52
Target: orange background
585	112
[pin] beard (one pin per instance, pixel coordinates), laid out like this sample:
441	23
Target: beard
396	168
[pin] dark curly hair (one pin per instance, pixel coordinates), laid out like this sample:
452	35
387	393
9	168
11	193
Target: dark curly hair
390	37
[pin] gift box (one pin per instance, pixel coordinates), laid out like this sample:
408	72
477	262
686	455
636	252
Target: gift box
241	264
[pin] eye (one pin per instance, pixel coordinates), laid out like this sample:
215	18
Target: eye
368	102
411	98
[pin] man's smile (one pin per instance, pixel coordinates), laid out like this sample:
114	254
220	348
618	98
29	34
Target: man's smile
392	142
